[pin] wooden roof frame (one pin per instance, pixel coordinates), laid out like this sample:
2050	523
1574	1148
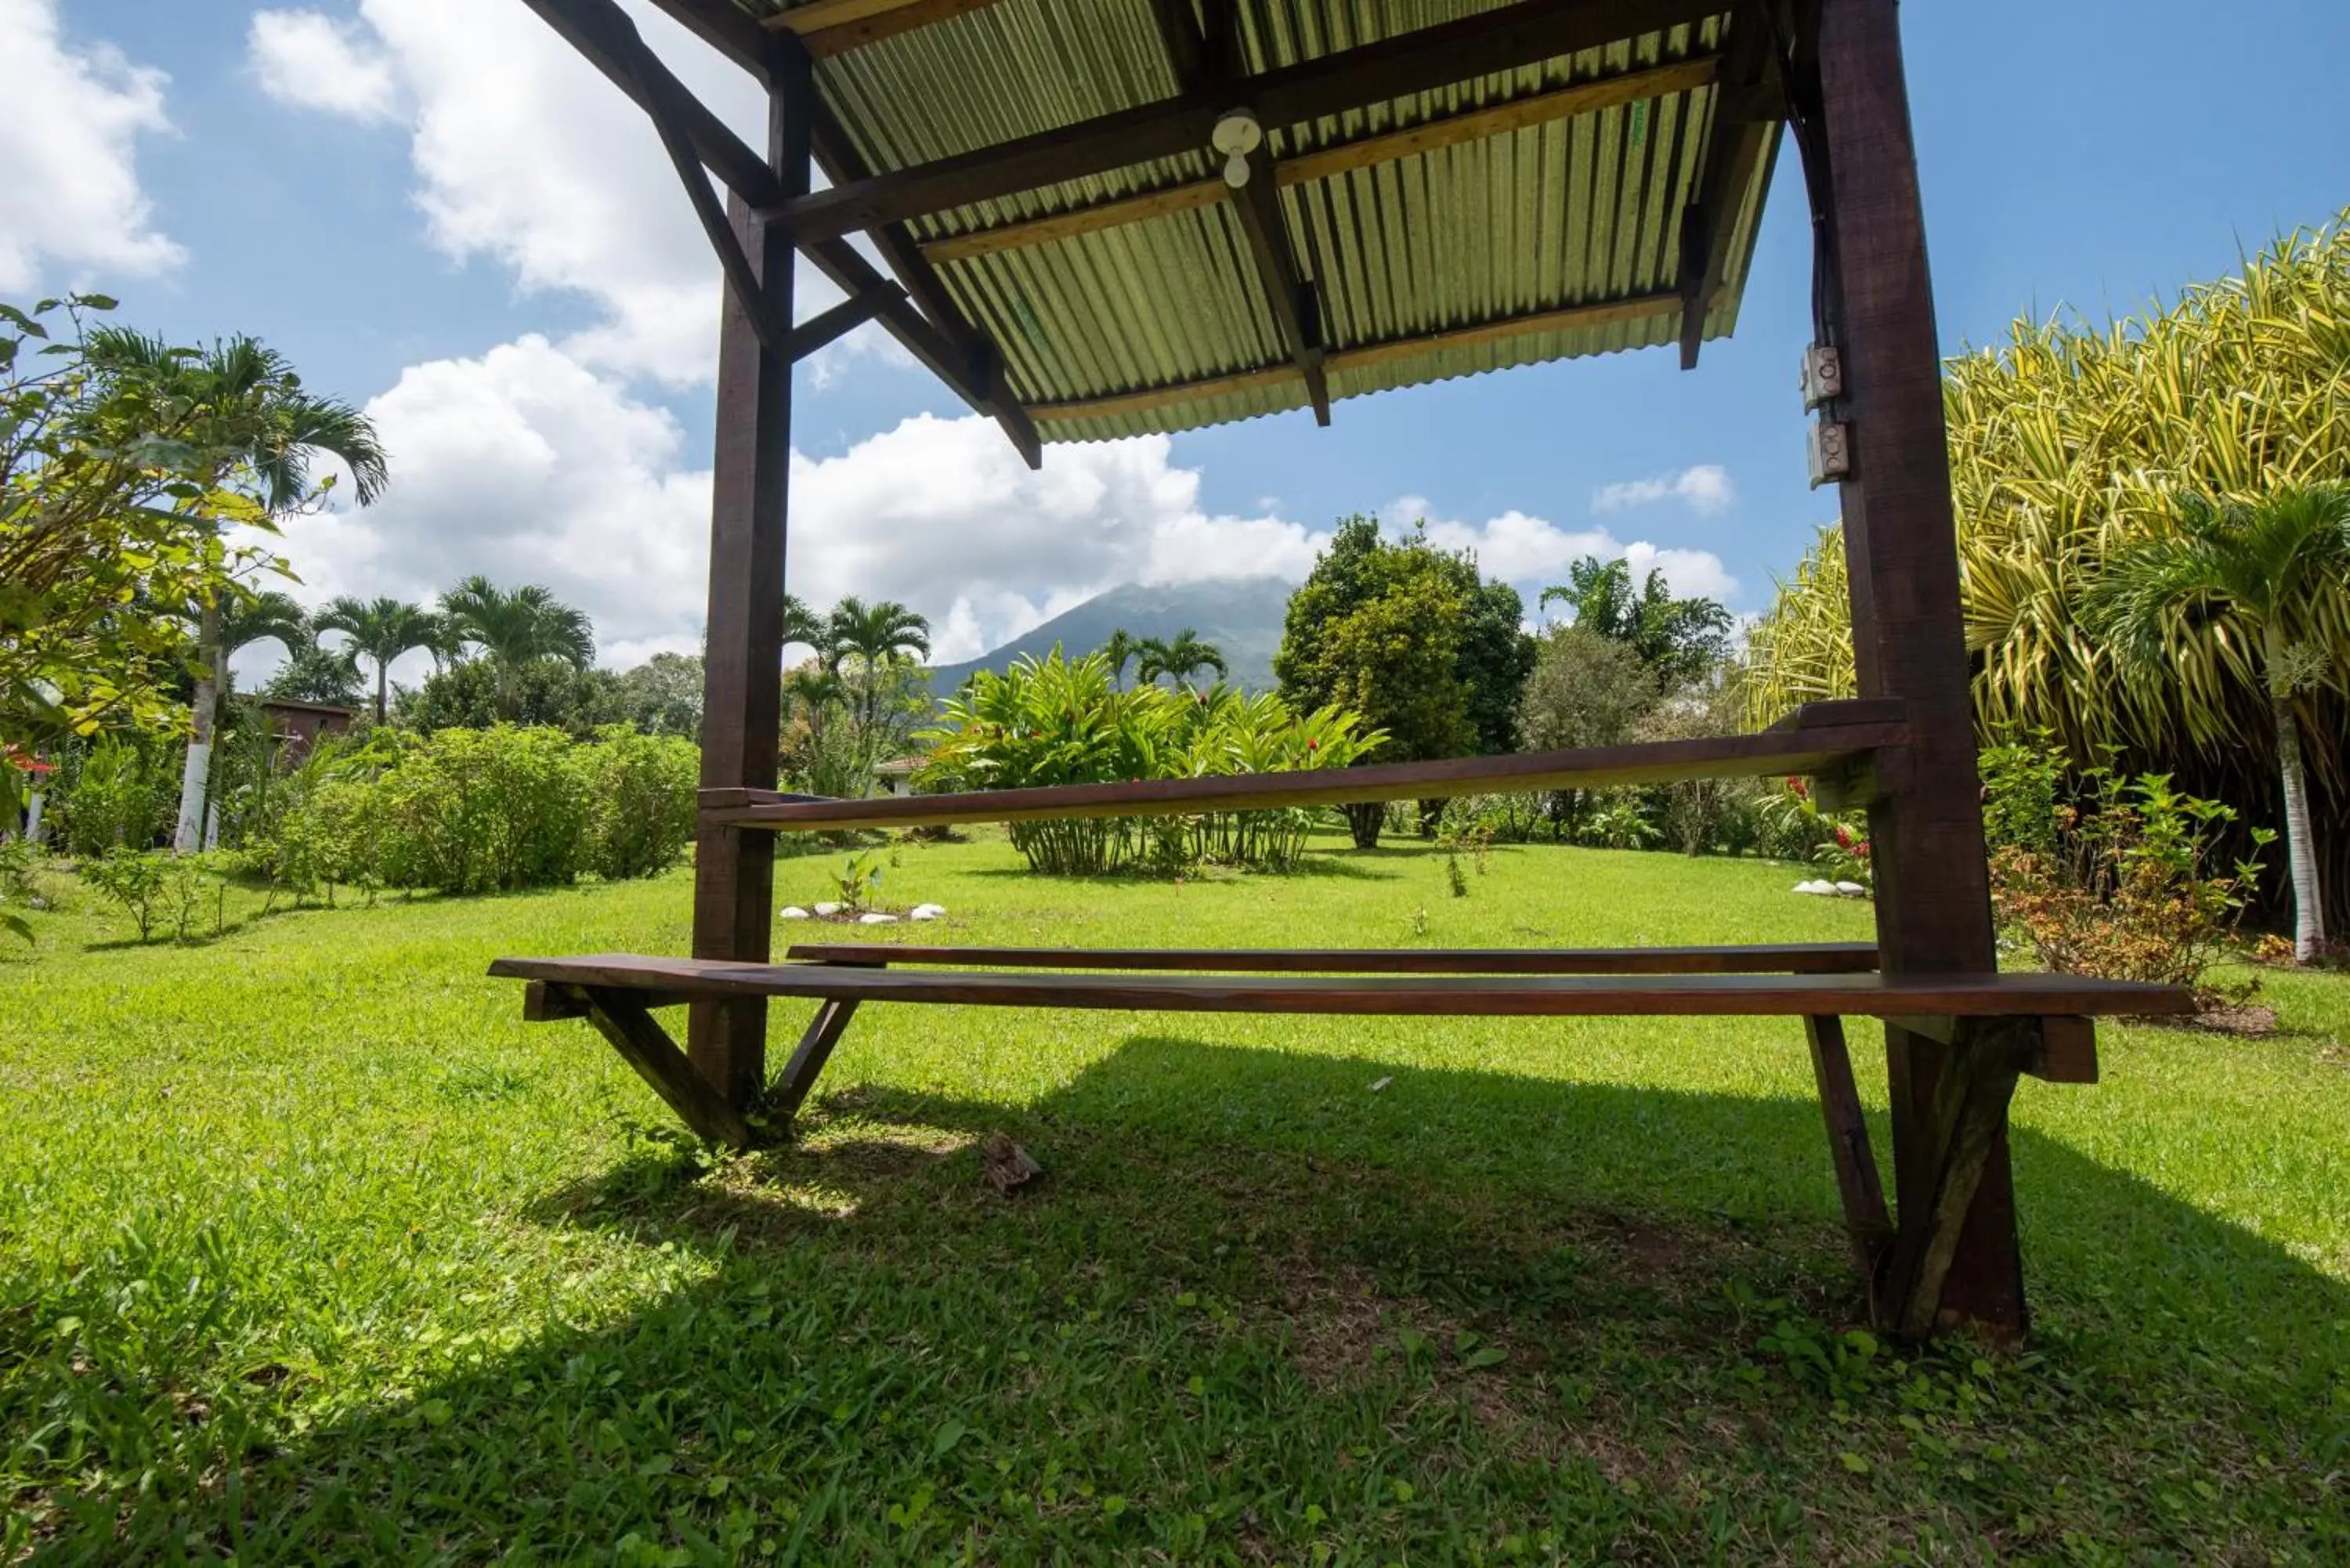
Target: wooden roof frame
1831	70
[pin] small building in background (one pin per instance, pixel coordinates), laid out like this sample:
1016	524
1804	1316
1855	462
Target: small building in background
896	777
298	725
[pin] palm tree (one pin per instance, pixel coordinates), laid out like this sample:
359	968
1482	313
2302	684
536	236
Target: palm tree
876	636
381	630
1120	649
517	627
264	618
2249	575
803	625
266	431
1179	656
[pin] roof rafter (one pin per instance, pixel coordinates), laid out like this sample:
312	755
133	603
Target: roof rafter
1342	156
1740	141
1209	64
1417	61
947	345
829	28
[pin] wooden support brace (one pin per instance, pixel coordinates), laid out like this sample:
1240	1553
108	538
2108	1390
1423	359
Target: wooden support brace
1866	1220
621	1018
2060	1048
1971	1091
845	317
791	1091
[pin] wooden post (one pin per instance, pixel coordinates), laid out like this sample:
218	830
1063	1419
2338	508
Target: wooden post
733	877
1933	901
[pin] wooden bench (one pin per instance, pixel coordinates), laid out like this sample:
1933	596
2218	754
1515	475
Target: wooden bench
1993	1027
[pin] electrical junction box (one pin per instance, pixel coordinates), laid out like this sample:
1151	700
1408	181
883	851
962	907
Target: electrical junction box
1831	452
1823	375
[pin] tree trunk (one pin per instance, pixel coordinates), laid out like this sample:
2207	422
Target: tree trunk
2299	840
188	835
1363	819
382	681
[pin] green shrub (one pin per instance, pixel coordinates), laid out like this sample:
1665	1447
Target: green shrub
1062	721
642	791
133	879
477	810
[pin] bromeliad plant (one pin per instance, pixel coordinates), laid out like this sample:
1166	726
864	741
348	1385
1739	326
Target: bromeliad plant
1058	721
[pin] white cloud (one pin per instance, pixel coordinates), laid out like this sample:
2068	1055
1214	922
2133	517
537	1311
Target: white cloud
1705	488
527	465
525	155
70	192
1530	553
311	60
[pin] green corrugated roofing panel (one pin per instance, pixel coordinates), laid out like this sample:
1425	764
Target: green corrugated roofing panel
1564	212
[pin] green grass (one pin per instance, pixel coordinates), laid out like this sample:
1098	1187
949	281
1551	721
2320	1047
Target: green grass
311	1250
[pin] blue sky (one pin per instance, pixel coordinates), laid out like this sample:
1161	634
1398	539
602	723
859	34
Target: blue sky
442	215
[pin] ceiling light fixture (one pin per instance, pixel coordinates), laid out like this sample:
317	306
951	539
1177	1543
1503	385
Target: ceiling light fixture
1237	134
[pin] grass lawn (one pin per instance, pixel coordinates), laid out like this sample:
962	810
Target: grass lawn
311	1250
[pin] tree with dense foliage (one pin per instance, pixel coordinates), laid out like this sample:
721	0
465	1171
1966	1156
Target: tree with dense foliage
663	696
474	695
1182	657
317	672
2256	576
1681	639
380	630
113	507
263	431
515	628
1586	689
1410	638
2069	445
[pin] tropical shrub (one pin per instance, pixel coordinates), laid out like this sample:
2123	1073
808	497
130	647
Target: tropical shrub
1063	722
2098	873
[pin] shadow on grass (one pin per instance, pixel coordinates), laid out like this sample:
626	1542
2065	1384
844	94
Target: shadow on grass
1262	1303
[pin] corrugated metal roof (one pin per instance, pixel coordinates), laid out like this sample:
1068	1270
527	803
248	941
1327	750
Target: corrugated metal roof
1579	210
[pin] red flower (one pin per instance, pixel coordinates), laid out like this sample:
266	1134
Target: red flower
1313	745
1843	839
1861	849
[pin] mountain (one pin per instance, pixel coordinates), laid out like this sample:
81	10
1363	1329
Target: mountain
1243	618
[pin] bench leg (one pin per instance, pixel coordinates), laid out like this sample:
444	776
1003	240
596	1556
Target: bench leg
791	1090
1866	1219
621	1016
1955	1258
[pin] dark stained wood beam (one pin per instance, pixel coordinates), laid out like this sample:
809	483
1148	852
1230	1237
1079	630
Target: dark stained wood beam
1417	61
828	27
1209	63
1738	140
1933	902
850	313
728	28
619	1016
1344	157
603	34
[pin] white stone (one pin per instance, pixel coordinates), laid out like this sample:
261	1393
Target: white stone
1815	887
792	912
876	919
827	909
927	913
1851	889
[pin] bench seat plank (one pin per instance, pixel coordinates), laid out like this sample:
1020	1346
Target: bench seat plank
1790	958
1541	995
